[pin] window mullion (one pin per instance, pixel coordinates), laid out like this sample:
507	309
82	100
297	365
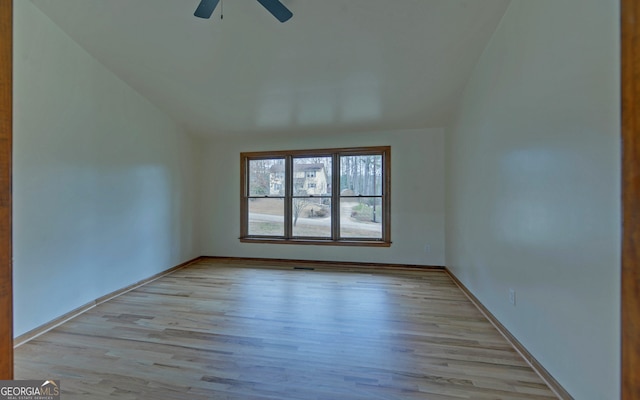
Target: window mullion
335	197
288	194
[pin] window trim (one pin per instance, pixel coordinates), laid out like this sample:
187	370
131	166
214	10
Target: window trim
335	154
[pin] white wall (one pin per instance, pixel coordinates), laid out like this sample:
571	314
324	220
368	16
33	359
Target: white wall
533	187
104	184
417	198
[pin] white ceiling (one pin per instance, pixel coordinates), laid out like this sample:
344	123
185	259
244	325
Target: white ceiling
336	66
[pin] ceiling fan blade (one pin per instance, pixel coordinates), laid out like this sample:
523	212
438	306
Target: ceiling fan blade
205	9
278	9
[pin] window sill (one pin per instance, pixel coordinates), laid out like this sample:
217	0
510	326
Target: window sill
362	243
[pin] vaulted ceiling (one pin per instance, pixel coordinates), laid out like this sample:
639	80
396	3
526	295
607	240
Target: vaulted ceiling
336	66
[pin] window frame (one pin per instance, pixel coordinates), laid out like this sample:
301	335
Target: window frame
334	154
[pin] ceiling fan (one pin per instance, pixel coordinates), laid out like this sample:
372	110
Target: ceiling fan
275	7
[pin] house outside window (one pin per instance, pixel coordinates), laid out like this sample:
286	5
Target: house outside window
287	196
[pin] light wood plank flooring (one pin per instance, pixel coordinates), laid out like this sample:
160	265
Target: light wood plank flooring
222	330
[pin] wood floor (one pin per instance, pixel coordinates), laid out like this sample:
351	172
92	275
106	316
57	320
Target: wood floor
219	330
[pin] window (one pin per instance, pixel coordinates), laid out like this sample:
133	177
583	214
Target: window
287	196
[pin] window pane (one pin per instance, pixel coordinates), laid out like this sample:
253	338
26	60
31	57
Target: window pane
361	175
311	217
266	177
312	176
266	217
361	218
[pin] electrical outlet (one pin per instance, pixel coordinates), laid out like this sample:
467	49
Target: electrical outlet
512	297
